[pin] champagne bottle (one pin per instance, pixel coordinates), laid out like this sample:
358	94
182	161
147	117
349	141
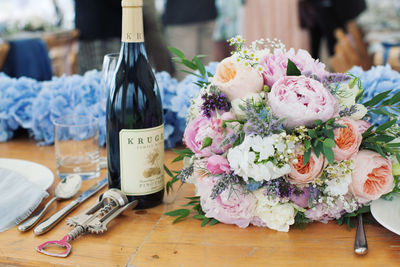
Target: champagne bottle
135	129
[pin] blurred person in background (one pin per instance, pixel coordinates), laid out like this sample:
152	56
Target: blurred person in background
228	24
275	19
322	17
99	24
189	27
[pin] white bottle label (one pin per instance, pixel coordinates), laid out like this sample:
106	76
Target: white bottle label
142	160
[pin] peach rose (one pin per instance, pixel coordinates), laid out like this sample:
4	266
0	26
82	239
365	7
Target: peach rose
348	140
236	80
372	176
302	174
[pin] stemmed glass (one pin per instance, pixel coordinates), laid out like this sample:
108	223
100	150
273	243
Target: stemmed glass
107	74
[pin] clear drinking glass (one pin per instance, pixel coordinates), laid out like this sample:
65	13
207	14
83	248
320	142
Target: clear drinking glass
76	142
107	73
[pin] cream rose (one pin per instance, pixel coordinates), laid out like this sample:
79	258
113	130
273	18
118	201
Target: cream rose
372	176
236	80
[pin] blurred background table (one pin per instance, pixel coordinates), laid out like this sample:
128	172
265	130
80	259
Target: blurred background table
148	238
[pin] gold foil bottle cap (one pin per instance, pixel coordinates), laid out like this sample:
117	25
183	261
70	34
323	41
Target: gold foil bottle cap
132	3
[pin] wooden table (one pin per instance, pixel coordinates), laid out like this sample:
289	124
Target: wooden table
147	238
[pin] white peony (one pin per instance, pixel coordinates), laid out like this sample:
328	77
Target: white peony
243	159
277	216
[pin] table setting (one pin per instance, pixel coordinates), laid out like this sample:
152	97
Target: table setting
266	158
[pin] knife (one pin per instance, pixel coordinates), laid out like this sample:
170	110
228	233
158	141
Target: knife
50	222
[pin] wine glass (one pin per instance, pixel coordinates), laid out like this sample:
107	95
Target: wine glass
107	74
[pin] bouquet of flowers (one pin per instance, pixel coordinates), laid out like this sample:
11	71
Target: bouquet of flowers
273	139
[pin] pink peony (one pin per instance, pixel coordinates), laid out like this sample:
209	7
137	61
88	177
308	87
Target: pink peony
230	208
302	174
218	164
274	65
348	140
202	127
323	212
372	176
236	80
301	100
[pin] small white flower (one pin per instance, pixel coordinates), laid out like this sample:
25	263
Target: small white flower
277	216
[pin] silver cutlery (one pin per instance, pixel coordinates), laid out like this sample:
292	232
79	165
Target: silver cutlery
360	242
50	222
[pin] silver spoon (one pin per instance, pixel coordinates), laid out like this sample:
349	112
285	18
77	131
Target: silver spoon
360	243
67	188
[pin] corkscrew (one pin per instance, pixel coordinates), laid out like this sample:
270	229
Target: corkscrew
112	203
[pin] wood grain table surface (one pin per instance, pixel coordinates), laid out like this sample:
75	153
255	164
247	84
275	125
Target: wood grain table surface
148	238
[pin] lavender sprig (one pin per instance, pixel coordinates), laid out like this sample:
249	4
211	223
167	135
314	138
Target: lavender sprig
223	183
215	100
185	173
347	112
280	188
260	120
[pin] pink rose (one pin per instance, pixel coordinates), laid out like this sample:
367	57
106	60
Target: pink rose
372	176
236	208
362	125
274	65
348	140
201	127
302	174
301	101
236	80
218	164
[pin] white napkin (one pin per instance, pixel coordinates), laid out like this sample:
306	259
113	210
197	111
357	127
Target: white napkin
19	197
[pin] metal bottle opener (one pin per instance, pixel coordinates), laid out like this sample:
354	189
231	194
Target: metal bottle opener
94	220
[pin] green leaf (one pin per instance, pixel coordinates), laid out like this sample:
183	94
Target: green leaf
385	138
318	149
185	151
367	132
192	73
307	144
329	143
306	157
176	52
205	221
312	133
193	198
318	122
398	157
178	158
386	125
328	153
199	217
200	66
329	133
376	99
393	100
207	141
181	213
168	171
189	64
292	69
213	222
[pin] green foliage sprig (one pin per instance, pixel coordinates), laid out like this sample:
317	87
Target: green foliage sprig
322	140
195	65
349	218
194	202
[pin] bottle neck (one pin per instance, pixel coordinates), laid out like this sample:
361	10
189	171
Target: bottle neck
132	24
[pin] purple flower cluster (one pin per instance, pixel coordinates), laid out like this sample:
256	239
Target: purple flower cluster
213	102
279	187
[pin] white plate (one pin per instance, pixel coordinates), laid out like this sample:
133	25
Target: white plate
34	172
387	213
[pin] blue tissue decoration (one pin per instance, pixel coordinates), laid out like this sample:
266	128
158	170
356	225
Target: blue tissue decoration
33	105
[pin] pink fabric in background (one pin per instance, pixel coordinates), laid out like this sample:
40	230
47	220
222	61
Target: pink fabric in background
275	18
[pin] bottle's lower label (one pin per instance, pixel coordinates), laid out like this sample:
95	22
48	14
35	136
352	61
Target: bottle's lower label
142	160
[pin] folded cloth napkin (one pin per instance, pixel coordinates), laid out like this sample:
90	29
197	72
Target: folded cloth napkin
19	197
